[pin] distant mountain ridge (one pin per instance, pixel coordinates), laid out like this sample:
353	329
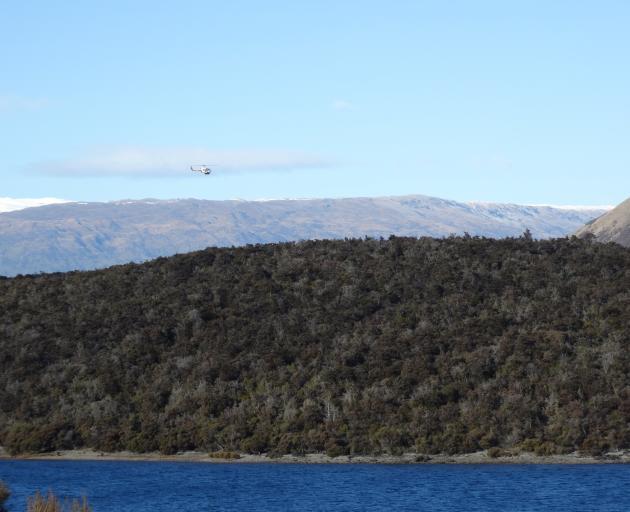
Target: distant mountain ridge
83	236
613	226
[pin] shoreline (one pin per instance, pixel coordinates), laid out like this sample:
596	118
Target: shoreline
321	458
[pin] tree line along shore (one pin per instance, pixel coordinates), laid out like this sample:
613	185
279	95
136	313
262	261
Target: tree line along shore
350	347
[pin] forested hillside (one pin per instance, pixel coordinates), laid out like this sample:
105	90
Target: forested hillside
355	346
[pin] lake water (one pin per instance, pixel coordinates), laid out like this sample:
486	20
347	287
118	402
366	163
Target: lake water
168	486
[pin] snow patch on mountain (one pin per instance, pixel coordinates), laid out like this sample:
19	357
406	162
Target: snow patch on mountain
10	204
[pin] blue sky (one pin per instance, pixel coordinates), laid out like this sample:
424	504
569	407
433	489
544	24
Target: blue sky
520	101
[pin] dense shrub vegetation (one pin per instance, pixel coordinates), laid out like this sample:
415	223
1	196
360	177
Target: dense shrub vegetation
356	346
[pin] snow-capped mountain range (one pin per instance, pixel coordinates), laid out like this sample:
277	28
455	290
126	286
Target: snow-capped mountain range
68	236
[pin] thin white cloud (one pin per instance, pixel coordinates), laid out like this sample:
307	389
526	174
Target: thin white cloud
148	161
340	104
15	103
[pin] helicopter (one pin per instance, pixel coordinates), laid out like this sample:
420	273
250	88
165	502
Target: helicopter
203	169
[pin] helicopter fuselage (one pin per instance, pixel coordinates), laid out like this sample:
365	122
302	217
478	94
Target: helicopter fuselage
203	170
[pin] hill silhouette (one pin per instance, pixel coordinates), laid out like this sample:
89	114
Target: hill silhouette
351	346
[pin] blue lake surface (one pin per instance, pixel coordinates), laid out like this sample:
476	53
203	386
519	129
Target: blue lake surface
180	486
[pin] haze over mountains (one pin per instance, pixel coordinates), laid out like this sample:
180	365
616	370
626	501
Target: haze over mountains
614	226
62	237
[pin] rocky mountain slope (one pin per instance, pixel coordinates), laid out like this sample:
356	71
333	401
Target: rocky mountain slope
613	226
93	235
